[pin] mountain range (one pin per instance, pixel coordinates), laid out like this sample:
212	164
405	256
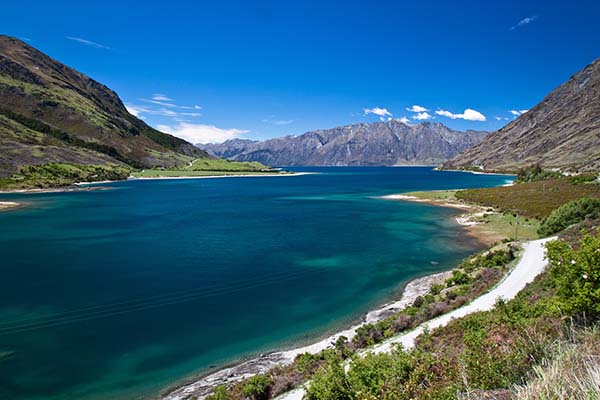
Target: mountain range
50	113
380	143
561	132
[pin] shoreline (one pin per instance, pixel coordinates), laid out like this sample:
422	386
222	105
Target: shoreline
264	175
467	219
476	172
85	186
203	384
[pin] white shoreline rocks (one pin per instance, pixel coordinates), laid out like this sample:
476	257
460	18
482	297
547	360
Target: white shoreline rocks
203	386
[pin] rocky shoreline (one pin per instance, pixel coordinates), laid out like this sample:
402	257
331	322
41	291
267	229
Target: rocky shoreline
204	385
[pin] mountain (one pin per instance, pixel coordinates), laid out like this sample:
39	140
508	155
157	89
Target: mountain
381	143
562	131
50	113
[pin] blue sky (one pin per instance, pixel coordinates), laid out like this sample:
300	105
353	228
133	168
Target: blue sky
208	71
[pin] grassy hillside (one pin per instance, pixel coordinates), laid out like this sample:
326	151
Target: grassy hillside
51	113
60	174
209	167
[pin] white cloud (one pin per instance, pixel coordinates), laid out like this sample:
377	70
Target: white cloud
422	116
382	112
160	97
135	110
160	103
404	120
524	21
417	109
498	118
516	113
200	133
88	42
469	115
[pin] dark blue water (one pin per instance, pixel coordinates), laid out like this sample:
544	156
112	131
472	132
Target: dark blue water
118	293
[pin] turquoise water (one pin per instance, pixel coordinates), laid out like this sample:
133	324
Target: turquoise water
116	294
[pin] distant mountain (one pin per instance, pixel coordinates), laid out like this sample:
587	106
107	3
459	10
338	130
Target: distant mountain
562	131
51	113
380	143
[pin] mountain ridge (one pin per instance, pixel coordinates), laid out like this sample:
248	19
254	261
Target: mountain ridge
50	112
561	132
361	144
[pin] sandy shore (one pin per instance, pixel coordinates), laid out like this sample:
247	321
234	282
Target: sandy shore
7	205
205	384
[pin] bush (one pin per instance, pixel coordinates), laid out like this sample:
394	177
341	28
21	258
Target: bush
576	275
569	214
220	393
458	278
330	383
535	173
257	387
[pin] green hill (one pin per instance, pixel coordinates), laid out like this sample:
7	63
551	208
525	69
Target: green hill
51	113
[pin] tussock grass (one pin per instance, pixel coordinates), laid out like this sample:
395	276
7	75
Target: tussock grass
571	371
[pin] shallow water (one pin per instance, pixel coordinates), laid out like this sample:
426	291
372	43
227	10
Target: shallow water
118	293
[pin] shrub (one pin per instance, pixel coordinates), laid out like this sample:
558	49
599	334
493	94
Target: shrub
330	383
307	363
576	275
569	214
257	387
458	278
535	173
220	393
435	289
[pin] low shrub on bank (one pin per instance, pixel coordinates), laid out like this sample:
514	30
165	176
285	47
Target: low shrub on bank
576	275
535	199
491	352
535	173
569	214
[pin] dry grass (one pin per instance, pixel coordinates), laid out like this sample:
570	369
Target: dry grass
572	371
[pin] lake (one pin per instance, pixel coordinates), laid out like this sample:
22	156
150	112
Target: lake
118	293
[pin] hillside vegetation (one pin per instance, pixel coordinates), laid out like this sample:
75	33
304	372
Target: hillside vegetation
61	174
209	167
535	199
52	114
